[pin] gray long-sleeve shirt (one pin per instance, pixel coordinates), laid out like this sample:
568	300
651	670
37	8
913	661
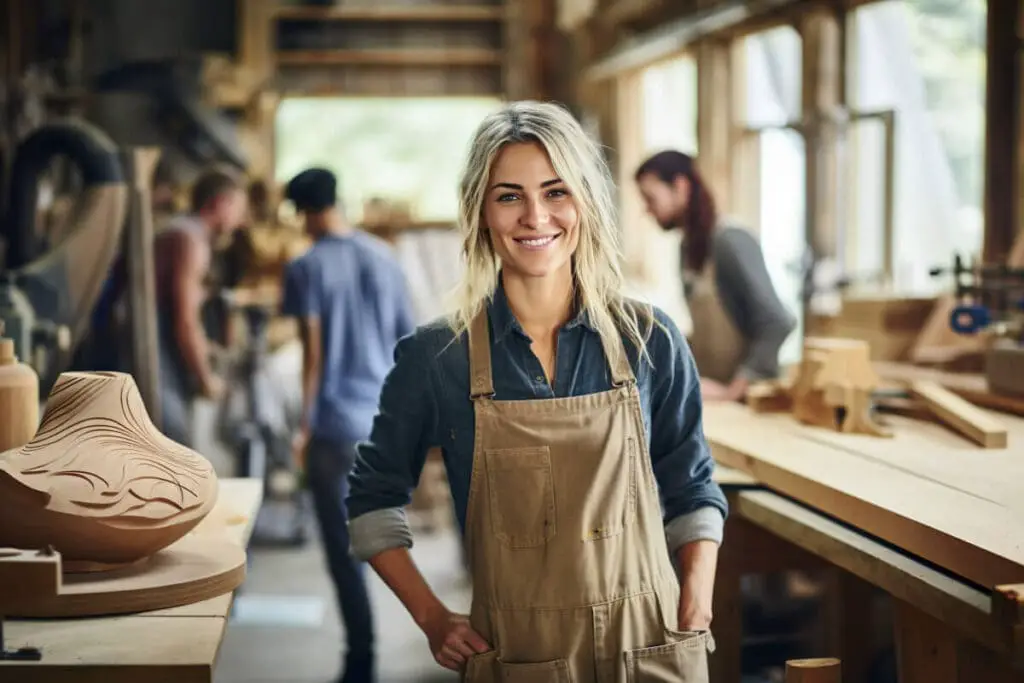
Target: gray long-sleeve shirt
749	298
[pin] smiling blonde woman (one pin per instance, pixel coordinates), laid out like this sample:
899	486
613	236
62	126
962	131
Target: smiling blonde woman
570	420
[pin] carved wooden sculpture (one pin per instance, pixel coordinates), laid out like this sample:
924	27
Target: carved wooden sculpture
833	386
98	482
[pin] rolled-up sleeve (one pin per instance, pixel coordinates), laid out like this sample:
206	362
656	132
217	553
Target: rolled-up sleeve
389	463
695	507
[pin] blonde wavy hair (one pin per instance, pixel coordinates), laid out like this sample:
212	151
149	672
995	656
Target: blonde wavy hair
580	164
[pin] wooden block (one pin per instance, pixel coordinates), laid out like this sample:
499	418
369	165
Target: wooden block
27	575
969	420
825	670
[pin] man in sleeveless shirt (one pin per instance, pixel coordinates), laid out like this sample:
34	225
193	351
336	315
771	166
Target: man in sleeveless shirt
183	251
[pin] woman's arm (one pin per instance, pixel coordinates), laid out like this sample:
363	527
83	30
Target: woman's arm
694	504
387	469
746	287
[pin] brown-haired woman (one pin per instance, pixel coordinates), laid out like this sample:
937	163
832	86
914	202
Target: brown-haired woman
739	323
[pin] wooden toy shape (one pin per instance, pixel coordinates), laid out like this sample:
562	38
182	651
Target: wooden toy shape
833	386
98	482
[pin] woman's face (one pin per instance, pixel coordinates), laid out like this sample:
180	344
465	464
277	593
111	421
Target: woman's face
532	218
665	202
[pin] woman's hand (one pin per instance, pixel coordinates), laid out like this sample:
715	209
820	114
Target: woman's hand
452	640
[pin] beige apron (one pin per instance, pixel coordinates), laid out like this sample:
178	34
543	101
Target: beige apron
572	580
717	345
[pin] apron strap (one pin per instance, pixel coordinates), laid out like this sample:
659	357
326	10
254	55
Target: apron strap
481	382
621	370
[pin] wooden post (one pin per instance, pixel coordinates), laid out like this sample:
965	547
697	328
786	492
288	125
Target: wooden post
140	164
714	117
827	670
1003	146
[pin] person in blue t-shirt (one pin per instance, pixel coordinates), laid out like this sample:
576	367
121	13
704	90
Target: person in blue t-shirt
349	295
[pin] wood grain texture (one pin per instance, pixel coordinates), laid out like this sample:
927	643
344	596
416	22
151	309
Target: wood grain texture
98	482
191	570
175	645
923	490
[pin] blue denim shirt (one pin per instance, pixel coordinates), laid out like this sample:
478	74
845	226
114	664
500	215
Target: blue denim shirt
426	402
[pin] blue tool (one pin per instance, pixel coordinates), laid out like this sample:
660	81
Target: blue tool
970	318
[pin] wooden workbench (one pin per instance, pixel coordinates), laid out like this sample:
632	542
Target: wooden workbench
926	516
177	645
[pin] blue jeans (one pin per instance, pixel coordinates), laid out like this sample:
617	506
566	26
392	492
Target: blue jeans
328	464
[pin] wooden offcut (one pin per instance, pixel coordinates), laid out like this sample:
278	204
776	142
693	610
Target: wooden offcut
969	420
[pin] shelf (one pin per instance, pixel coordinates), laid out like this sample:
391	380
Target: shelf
391	57
372	13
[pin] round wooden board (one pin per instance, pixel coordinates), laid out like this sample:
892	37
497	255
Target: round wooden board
193	569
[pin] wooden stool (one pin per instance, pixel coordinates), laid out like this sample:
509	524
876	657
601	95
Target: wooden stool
826	670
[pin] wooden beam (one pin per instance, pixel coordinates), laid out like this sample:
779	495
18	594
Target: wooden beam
1003	138
392	57
467	13
676	36
820	32
714	116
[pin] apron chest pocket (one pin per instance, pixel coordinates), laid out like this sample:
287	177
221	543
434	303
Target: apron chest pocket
682	661
522	497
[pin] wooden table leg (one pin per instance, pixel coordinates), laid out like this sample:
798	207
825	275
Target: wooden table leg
727	606
827	670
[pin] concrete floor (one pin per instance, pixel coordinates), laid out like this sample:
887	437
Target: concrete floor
285	627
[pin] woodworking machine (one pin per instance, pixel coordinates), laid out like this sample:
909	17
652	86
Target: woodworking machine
48	291
991	301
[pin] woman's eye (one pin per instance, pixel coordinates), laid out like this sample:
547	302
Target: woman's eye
560	192
506	197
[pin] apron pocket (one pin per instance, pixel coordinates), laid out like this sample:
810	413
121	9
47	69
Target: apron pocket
522	497
481	668
681	661
555	671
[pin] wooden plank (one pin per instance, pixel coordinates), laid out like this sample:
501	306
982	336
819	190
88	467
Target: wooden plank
970	420
384	57
116	650
674	37
394	13
972	387
970	530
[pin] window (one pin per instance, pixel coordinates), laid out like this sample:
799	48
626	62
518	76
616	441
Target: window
404	150
771	155
670	106
923	61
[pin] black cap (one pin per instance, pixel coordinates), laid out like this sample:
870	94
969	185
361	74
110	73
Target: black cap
313	190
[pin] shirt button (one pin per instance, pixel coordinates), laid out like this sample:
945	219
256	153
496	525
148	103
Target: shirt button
540	379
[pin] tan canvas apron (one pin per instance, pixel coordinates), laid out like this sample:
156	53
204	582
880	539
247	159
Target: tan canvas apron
572	580
717	345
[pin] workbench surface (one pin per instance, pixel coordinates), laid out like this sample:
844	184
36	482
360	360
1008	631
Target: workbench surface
176	645
927	490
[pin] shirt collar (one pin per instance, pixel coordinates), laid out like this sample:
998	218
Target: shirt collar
503	321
